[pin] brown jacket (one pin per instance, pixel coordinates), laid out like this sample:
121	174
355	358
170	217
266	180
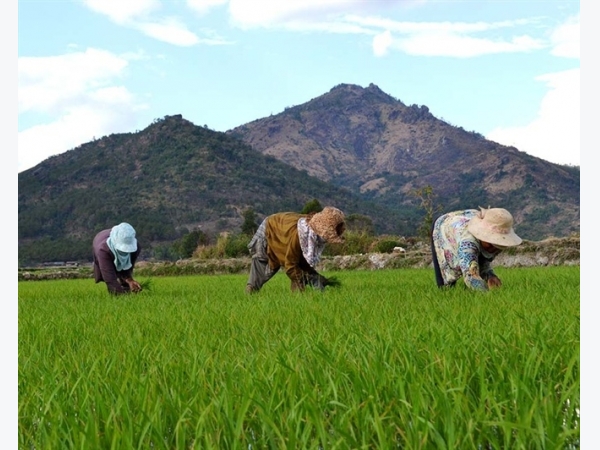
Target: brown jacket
283	246
104	265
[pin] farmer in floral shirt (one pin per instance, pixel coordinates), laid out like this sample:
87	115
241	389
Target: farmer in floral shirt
464	243
295	242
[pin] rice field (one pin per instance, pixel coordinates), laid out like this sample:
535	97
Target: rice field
385	361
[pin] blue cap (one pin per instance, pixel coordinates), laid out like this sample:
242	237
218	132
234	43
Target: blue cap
122	237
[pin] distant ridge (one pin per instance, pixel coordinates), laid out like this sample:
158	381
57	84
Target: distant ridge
166	180
373	144
357	148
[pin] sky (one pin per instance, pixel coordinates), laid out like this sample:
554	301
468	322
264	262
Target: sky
509	70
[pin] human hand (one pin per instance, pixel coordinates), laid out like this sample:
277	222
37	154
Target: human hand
494	282
134	286
332	282
297	286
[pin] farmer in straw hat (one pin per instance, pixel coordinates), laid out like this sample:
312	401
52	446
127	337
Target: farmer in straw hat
464	243
295	242
115	252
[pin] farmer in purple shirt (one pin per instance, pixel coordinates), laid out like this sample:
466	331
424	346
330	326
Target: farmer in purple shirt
115	253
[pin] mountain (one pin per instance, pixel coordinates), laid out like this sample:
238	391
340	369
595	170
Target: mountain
367	141
356	148
166	180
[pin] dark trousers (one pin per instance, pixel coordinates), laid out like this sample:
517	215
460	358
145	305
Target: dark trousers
436	265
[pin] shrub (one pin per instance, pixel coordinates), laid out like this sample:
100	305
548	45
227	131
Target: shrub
385	245
313	206
356	243
236	246
186	246
228	246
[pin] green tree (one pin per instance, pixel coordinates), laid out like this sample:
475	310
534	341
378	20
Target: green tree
186	246
360	223
249	226
426	198
312	206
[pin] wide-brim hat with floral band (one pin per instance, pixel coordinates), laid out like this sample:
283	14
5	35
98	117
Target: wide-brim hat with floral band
122	237
329	224
495	226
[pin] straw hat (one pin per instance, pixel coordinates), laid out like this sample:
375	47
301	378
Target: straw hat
495	226
122	237
329	224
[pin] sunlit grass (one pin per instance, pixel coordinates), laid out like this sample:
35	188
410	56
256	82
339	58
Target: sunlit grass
387	360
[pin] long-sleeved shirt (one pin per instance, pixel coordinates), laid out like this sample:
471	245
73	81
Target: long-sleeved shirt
459	253
104	264
283	246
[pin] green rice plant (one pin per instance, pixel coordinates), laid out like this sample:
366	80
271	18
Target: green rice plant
386	360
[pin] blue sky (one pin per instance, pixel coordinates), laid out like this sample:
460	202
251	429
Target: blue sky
506	69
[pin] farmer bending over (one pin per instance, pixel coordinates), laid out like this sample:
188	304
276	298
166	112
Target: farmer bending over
295	242
464	243
115	253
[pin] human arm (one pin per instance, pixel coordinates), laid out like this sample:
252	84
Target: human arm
126	276
117	282
318	281
300	272
134	286
108	272
487	273
297	276
310	277
468	257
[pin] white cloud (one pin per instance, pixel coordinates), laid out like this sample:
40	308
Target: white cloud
382	43
461	46
267	13
565	39
136	14
123	11
277	13
453	39
433	27
204	6
554	135
77	89
81	124
170	30
49	83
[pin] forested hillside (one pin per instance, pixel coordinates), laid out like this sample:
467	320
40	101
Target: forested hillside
167	180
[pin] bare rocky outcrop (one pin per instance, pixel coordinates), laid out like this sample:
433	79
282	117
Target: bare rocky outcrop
375	145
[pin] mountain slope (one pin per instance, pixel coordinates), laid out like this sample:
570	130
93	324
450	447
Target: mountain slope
171	177
357	148
378	147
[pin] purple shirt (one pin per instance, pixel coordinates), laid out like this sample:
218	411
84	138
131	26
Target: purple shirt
104	265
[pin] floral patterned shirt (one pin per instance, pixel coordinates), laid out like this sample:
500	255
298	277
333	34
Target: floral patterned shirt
459	253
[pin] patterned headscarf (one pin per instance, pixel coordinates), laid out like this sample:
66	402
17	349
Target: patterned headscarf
311	244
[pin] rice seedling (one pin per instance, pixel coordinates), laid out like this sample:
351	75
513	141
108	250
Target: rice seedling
384	360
